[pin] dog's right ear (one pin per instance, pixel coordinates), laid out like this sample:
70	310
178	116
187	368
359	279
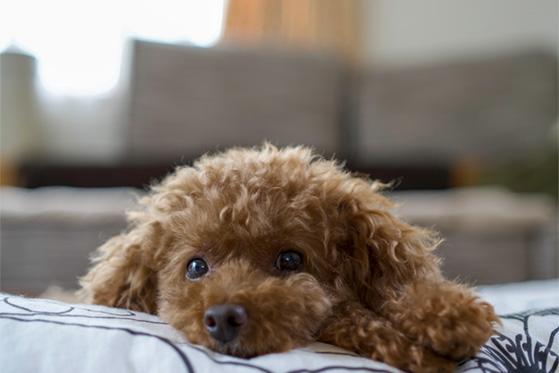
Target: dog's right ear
120	276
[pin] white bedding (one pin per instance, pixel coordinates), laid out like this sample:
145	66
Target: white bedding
39	335
522	296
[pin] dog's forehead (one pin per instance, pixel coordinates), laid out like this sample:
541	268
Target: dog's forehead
254	224
256	206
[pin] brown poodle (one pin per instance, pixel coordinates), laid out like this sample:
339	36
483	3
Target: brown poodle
254	251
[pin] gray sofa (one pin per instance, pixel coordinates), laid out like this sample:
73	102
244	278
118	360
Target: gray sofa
492	236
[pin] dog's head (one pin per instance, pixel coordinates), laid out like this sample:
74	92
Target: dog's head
247	251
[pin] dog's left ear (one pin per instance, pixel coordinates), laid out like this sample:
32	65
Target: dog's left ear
385	252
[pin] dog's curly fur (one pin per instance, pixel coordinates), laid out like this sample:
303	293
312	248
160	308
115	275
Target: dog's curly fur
370	282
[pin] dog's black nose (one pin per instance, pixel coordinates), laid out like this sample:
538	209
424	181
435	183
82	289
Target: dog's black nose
225	321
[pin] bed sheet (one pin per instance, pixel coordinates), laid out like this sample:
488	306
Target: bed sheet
40	335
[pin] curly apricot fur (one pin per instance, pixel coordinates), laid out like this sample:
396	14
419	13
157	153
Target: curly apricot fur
370	282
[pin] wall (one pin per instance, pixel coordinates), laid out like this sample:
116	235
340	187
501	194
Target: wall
403	33
396	33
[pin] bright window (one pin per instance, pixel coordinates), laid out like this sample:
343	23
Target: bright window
79	43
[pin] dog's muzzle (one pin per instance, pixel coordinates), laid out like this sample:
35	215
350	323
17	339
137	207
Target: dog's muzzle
225	321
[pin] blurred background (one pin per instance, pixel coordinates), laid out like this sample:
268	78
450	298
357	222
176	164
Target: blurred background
455	101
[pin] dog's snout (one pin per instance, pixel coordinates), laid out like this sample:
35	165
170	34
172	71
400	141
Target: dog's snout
225	321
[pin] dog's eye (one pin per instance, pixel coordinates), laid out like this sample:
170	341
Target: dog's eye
196	268
289	261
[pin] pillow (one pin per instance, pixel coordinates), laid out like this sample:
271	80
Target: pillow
527	342
39	335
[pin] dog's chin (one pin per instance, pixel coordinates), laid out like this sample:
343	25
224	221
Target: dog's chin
237	349
247	349
234	349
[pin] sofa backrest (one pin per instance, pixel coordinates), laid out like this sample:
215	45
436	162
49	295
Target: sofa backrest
186	101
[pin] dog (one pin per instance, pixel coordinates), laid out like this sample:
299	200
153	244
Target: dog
260	250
